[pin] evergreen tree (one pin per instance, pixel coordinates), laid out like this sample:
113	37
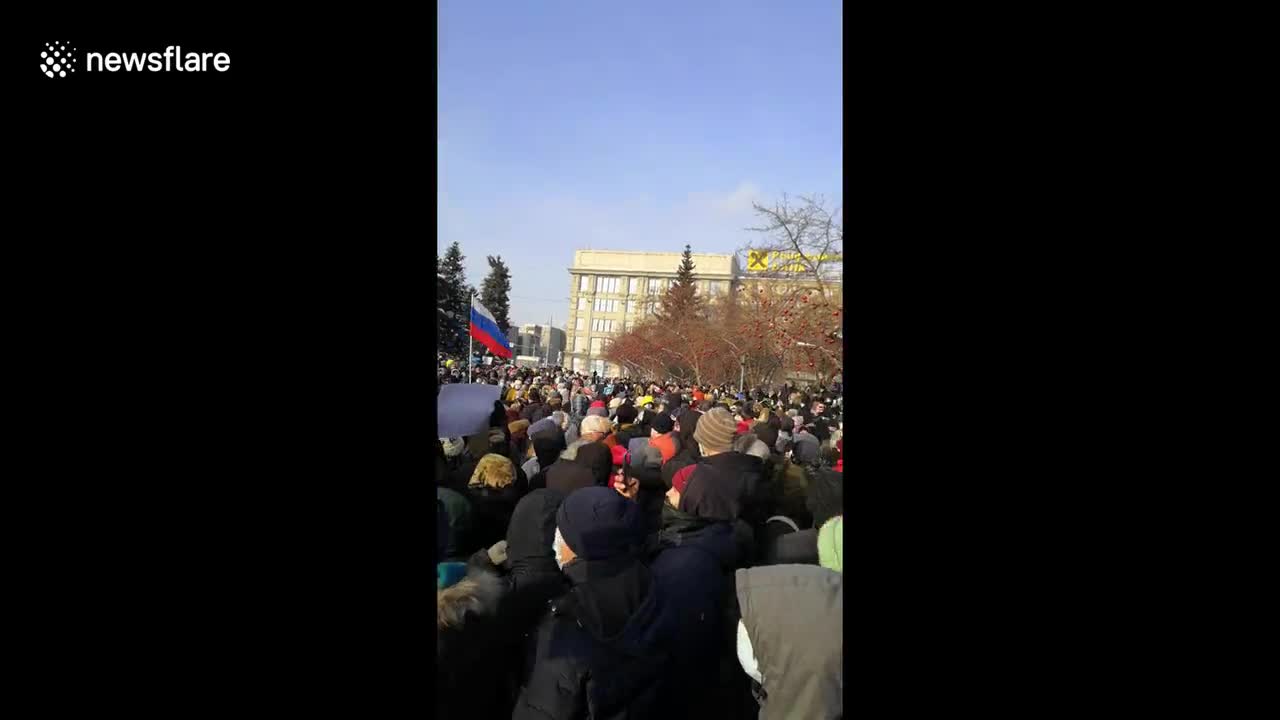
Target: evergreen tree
681	299
454	302
495	290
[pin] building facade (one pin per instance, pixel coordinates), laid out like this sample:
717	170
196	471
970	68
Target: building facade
533	339
609	290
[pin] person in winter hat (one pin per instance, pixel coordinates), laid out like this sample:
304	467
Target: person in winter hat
599	652
686	425
715	431
595	428
547	446
468	599
493	492
715	436
531	578
627	428
662	437
583	465
453	447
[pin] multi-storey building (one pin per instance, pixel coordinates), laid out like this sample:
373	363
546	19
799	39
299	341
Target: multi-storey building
611	289
533	340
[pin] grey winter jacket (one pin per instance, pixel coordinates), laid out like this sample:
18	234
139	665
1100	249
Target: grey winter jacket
794	617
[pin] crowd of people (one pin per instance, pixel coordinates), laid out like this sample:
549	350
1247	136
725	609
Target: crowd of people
621	548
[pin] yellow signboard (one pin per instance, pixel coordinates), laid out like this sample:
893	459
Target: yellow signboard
784	262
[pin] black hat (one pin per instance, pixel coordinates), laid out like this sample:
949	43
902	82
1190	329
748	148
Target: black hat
626	413
598	523
663	423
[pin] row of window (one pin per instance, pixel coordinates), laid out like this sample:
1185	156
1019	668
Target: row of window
636	286
598	344
600	325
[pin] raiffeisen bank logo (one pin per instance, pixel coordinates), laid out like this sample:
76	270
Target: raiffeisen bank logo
56	60
60	58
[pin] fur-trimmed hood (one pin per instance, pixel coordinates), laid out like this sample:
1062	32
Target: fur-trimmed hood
476	594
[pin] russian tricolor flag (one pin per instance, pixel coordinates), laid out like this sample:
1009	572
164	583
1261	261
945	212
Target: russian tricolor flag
485	329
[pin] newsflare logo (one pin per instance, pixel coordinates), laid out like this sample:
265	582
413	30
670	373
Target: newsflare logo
57	59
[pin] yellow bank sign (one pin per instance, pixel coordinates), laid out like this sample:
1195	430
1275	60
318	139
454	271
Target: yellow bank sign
787	262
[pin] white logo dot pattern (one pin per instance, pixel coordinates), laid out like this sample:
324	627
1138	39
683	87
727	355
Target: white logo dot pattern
56	60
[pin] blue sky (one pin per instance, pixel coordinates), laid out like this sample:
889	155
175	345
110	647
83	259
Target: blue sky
636	126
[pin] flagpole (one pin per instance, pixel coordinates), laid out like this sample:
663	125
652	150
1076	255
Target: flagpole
473	304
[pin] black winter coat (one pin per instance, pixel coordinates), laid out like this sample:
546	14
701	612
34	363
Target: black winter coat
491	513
747	471
534	578
792	548
535	412
597	654
625	435
696	559
467	638
458	472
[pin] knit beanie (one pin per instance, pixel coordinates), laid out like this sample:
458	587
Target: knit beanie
453	447
715	430
596	404
663	423
598	411
598	523
742	428
831	544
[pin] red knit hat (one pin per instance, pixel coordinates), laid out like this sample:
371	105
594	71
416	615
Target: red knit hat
743	427
596	404
619	455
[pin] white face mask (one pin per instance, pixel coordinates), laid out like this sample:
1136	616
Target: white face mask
557	547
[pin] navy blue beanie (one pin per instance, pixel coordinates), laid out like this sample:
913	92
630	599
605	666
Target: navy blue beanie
598	523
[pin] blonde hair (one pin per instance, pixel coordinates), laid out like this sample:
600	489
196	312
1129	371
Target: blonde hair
493	470
477	593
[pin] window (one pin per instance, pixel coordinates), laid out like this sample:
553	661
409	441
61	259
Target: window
599	325
714	288
634	288
585	284
631	306
607	285
657	286
583	303
580	324
579	364
606	305
597	345
629	325
580	343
